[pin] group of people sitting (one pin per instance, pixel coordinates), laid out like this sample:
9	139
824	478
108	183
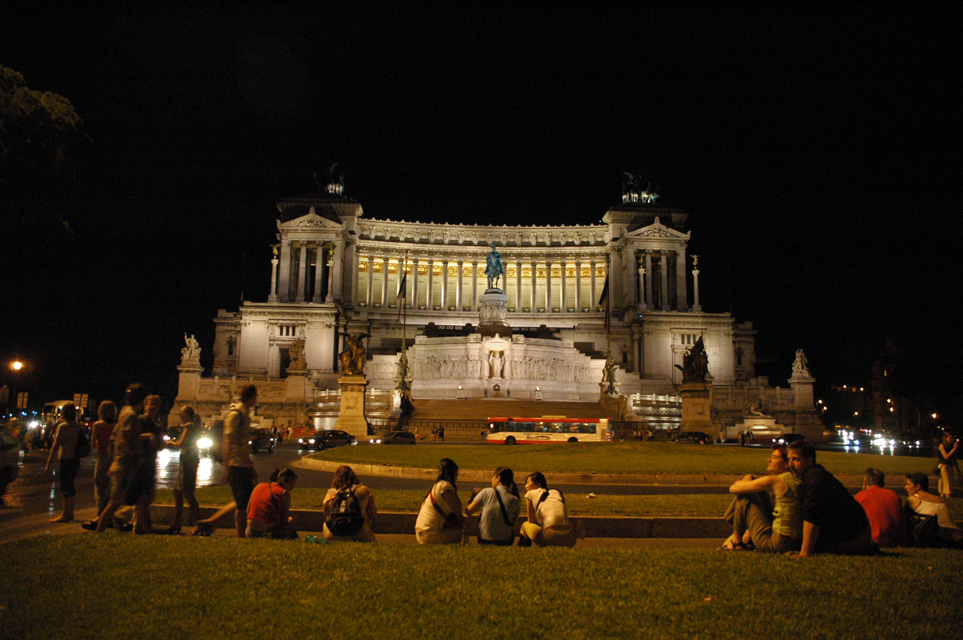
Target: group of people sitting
350	512
441	520
801	509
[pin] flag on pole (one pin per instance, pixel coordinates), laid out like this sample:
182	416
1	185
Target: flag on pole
605	291
604	298
402	299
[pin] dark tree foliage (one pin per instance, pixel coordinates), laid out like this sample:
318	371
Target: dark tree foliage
41	139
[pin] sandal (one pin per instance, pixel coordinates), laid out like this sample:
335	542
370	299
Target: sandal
203	529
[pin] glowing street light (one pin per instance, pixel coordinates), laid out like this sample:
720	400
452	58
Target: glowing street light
16	365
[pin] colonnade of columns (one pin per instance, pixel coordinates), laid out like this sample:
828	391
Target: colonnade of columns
442	283
657	294
290	281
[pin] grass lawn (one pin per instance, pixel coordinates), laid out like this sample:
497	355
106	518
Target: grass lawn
649	457
708	505
119	586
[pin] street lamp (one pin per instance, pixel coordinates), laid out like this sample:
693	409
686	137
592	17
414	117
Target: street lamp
16	365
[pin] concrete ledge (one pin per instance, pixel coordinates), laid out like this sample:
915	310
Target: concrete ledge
396	522
586	478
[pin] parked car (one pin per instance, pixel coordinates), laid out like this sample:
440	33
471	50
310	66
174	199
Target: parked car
321	440
395	437
262	439
692	437
786	438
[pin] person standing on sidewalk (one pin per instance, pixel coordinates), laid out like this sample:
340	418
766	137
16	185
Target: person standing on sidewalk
187	470
101	434
65	442
240	473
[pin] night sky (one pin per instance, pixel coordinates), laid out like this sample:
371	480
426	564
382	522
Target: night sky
812	147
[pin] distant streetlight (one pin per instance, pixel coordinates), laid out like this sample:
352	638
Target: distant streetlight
933	415
16	365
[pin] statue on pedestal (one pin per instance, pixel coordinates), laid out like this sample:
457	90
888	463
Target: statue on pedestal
191	353
353	357
800	367
695	363
609	376
493	267
296	354
755	410
497	361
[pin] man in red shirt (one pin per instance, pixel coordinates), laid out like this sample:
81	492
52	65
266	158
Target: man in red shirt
884	511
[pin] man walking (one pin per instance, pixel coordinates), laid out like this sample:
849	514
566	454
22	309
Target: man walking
833	522
883	509
240	469
127	447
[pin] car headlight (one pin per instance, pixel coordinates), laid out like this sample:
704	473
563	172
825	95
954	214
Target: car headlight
204	443
311	441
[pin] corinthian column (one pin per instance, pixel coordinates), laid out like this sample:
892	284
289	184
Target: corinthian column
302	270
273	296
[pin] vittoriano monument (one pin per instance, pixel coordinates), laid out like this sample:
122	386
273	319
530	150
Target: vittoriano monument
477	305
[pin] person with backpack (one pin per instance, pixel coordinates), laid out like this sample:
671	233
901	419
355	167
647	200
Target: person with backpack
349	508
548	524
499	506
268	511
68	436
240	472
440	520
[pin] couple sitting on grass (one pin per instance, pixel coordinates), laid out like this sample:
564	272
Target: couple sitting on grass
799	508
440	520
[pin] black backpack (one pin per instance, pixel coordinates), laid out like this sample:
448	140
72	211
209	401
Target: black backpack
82	449
216	436
345	517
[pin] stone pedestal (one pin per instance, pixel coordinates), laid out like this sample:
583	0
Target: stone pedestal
188	381
492	311
696	404
294	385
351	417
807	418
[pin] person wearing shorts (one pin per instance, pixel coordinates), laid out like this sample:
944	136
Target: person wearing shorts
241	475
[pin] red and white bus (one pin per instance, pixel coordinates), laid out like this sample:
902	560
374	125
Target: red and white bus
546	429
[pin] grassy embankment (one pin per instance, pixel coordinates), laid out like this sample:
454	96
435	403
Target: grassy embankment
645	458
121	587
655	457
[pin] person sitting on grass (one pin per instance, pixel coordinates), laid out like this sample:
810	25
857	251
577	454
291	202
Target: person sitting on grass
187	469
923	503
887	519
833	522
354	502
765	514
547	525
499	506
269	508
440	520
